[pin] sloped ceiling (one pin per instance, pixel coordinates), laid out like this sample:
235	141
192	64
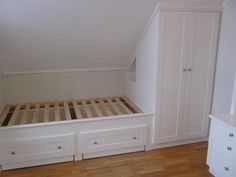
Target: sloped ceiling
40	35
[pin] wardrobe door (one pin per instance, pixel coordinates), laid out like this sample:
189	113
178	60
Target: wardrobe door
171	75
199	79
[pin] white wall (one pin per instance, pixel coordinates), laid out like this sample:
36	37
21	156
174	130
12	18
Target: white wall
143	91
22	88
75	34
1	93
226	65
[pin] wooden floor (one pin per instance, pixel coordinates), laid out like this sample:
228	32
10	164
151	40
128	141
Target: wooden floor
181	161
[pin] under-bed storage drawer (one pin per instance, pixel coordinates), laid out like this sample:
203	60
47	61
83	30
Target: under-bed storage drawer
31	150
112	139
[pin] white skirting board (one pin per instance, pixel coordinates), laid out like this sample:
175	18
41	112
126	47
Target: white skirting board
38	162
113	152
176	143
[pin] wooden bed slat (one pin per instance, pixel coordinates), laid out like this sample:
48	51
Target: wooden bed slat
86	109
115	107
25	115
46	113
106	109
67	110
57	111
125	108
136	108
96	109
14	116
35	118
77	110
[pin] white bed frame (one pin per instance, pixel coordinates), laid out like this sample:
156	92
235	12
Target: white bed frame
59	141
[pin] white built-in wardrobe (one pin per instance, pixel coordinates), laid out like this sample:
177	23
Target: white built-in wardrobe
185	74
178	53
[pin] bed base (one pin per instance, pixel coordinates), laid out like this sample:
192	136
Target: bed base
40	112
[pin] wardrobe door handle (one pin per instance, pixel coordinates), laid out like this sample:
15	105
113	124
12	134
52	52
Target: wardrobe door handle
189	69
13	153
184	70
229	148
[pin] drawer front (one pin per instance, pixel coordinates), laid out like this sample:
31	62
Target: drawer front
226	131
98	141
223	142
25	150
221	167
224	146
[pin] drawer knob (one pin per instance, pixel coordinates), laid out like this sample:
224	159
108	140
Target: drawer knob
95	142
13	153
226	169
231	135
59	147
229	148
134	137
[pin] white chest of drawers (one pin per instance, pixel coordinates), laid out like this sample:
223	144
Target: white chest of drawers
222	146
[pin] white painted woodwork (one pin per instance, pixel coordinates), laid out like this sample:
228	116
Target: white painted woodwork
22	88
36	163
191	5
199	83
16	151
222	146
142	91
187	54
38	143
113	152
221	143
179	36
171	78
112	139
